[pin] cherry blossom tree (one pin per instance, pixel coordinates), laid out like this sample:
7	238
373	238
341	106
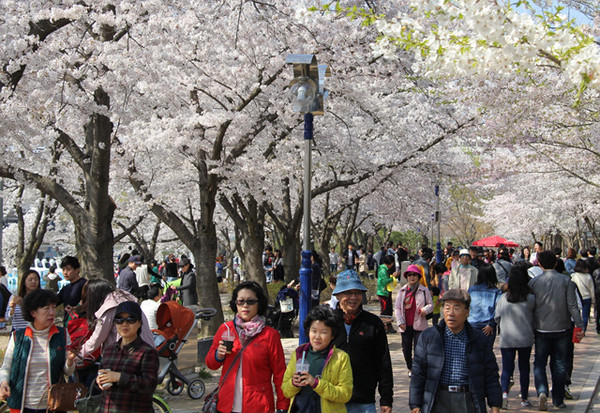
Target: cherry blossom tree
33	214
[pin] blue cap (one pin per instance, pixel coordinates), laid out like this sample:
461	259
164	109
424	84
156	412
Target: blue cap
348	280
135	259
130	307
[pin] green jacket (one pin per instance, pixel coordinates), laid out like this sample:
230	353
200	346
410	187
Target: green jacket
20	361
334	386
383	279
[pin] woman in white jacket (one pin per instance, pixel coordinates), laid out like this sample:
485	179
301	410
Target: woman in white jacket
585	285
413	304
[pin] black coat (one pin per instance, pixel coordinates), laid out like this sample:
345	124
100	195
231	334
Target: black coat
369	353
429	360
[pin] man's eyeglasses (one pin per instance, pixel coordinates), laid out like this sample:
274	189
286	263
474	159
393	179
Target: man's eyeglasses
128	320
251	301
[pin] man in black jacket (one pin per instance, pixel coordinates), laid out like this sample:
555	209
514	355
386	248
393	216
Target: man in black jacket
365	341
454	368
350	257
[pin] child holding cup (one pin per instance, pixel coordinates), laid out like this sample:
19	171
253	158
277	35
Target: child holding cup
319	374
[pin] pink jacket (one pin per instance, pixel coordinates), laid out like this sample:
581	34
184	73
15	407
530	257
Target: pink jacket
105	332
423	300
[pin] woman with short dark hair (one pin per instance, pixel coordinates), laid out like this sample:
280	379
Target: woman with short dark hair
318	377
36	355
247	379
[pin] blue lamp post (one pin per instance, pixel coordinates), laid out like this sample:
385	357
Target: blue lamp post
438	252
308	94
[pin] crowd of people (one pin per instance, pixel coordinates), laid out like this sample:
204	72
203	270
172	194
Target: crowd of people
526	297
471	297
117	355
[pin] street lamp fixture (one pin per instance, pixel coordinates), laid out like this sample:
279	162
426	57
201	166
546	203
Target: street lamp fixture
303	94
307	95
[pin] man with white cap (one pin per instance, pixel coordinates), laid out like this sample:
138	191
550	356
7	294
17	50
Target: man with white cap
364	339
464	275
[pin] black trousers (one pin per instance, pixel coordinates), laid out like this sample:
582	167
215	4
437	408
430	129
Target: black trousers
409	342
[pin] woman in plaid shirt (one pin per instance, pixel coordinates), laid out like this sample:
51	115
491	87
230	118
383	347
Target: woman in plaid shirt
129	370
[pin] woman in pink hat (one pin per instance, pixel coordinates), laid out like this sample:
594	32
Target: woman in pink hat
413	304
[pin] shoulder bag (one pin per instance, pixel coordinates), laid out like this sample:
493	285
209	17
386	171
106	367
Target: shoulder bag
429	316
91	403
62	396
210	401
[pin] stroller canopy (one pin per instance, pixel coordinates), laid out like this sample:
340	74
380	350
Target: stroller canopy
173	319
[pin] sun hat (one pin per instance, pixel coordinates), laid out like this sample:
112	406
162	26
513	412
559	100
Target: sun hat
348	280
414	269
464	251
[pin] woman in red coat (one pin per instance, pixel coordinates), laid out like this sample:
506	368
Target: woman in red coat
248	386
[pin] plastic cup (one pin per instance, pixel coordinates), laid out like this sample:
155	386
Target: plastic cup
228	339
105	385
302	367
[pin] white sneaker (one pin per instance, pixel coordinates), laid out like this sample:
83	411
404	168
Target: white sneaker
525	403
505	401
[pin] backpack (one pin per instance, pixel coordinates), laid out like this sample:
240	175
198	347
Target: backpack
402	254
79	332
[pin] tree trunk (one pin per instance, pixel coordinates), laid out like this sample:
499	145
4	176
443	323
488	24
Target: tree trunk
249	218
208	289
27	248
291	254
94	238
95	251
253	261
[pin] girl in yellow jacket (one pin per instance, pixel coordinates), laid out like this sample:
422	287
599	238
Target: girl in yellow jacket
319	376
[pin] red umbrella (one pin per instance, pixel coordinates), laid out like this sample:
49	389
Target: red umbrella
495	241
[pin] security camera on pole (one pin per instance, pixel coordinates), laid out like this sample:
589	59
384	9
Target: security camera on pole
308	94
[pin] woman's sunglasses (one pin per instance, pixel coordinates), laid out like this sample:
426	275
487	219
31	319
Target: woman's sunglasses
251	301
128	320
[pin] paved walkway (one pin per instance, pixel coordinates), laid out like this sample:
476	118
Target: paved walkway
585	377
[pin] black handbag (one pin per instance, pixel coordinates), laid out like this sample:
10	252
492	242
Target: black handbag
91	403
210	401
322	284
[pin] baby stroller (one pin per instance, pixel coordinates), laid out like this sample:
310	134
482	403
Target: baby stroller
282	315
175	323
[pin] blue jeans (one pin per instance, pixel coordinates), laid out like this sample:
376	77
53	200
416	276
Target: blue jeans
585	311
555	346
361	408
508	366
332	267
